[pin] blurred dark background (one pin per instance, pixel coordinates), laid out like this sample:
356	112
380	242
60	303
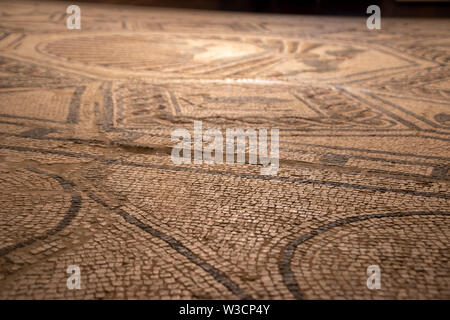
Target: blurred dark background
389	8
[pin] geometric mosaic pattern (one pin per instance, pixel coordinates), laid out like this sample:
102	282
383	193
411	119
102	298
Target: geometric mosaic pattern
86	176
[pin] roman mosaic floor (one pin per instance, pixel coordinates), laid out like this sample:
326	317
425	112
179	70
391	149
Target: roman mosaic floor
87	179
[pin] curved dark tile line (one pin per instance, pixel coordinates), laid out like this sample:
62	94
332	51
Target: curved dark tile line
285	263
67	219
399	154
175	244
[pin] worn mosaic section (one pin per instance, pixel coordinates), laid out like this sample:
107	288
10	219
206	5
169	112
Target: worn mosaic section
85	123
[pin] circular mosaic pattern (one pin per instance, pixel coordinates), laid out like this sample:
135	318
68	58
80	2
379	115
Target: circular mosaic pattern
411	251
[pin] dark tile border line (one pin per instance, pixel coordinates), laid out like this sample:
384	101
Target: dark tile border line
175	244
390	153
29	134
439	170
412	114
241	175
74	106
